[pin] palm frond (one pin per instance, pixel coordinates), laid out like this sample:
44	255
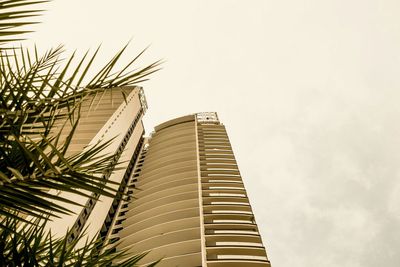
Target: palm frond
14	14
37	93
28	244
39	96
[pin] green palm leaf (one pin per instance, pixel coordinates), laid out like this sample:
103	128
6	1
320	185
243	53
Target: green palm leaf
33	98
28	244
14	15
40	95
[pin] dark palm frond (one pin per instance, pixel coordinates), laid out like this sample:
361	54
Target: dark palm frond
14	14
106	78
37	93
40	96
28	191
28	244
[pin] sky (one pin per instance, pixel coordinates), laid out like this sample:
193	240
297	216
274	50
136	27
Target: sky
308	91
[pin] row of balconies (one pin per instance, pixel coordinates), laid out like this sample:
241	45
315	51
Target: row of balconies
231	235
164	217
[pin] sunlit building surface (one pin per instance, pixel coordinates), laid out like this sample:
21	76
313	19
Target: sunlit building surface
188	205
113	114
184	199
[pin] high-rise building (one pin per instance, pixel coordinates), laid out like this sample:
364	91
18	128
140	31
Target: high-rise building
189	205
113	114
186	201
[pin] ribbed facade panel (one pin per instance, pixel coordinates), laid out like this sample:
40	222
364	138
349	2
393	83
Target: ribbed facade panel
164	215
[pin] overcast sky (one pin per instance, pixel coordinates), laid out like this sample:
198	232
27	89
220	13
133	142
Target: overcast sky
309	92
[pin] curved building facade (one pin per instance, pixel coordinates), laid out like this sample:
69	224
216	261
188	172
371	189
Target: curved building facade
188	204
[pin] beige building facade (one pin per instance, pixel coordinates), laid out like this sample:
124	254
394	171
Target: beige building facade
186	201
113	114
188	204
